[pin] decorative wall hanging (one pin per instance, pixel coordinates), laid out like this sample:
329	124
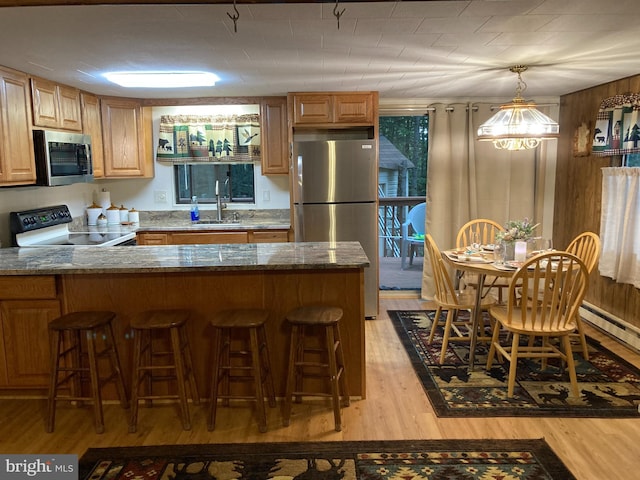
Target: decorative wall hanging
617	130
209	138
581	137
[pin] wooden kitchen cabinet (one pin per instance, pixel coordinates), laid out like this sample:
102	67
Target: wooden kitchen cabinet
269	236
353	108
92	125
212	237
208	238
124	139
312	109
333	108
148	238
273	119
55	106
27	305
26	340
17	162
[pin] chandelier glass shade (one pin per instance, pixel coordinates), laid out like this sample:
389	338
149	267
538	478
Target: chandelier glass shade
518	125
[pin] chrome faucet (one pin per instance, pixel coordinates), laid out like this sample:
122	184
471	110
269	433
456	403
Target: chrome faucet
219	203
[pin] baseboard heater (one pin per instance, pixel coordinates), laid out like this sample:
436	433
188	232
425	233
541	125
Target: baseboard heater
614	326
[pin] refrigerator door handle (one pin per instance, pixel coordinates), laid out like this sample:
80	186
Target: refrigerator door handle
299	180
299	235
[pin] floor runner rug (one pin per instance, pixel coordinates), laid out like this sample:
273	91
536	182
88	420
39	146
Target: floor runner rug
609	386
377	460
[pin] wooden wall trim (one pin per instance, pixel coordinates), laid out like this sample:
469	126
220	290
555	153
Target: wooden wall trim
578	192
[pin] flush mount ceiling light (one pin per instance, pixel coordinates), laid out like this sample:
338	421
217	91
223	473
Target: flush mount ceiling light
162	79
518	125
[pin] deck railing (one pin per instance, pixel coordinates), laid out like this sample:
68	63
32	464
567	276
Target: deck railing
392	213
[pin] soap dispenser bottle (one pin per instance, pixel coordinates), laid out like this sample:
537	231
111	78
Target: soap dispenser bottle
195	212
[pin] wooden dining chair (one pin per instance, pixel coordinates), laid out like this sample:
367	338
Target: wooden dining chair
486	231
586	247
558	280
447	298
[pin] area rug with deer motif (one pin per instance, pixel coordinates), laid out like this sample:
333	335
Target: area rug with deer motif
609	385
364	460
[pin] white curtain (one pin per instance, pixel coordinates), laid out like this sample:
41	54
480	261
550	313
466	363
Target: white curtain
620	225
468	179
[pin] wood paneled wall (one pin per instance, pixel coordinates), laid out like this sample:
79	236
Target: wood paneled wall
578	192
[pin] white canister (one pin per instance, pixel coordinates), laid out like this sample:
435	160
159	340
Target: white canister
113	214
134	216
93	212
124	214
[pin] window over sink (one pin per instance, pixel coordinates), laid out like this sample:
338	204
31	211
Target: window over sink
236	182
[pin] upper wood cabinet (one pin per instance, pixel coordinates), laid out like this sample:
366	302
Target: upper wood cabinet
124	139
17	163
329	109
55	106
273	118
92	125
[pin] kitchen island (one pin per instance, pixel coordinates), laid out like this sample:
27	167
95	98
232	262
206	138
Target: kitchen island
203	278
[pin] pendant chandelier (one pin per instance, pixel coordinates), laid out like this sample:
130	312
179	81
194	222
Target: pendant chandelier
518	125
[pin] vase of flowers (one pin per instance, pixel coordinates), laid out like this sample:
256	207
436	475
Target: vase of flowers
515	231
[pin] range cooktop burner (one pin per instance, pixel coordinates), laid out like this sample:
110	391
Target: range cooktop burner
49	226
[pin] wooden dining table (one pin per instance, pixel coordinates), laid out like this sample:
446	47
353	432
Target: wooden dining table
482	265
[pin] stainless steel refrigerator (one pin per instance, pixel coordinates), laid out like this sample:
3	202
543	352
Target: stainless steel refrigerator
335	199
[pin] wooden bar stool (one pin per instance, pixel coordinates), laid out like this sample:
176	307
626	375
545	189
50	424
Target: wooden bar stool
319	361
251	324
178	365
69	358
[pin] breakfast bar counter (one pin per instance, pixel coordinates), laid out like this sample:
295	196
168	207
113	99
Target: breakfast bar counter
203	278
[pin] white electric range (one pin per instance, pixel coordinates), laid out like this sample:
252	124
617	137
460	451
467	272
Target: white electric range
48	226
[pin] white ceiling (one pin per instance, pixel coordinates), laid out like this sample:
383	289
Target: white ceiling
432	49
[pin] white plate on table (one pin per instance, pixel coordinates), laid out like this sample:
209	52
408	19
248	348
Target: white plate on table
462	258
489	248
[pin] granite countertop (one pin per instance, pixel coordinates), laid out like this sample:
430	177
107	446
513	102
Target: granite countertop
181	258
179	221
247	220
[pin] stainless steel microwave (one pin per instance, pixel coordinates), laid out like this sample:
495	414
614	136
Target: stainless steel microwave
62	158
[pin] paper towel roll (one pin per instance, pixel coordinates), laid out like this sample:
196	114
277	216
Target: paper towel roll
104	200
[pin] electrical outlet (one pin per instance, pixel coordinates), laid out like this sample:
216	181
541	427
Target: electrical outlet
160	196
266	195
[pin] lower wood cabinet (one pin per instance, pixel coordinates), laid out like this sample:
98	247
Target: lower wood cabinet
269	236
208	238
27	305
26	341
212	237
147	238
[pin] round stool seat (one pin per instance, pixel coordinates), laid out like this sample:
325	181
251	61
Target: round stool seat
160	319
240	318
82	320
315	315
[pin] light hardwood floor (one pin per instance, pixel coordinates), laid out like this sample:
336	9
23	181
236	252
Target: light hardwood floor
395	408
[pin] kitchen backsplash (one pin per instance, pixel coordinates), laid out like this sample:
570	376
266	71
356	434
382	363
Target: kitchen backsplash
158	218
